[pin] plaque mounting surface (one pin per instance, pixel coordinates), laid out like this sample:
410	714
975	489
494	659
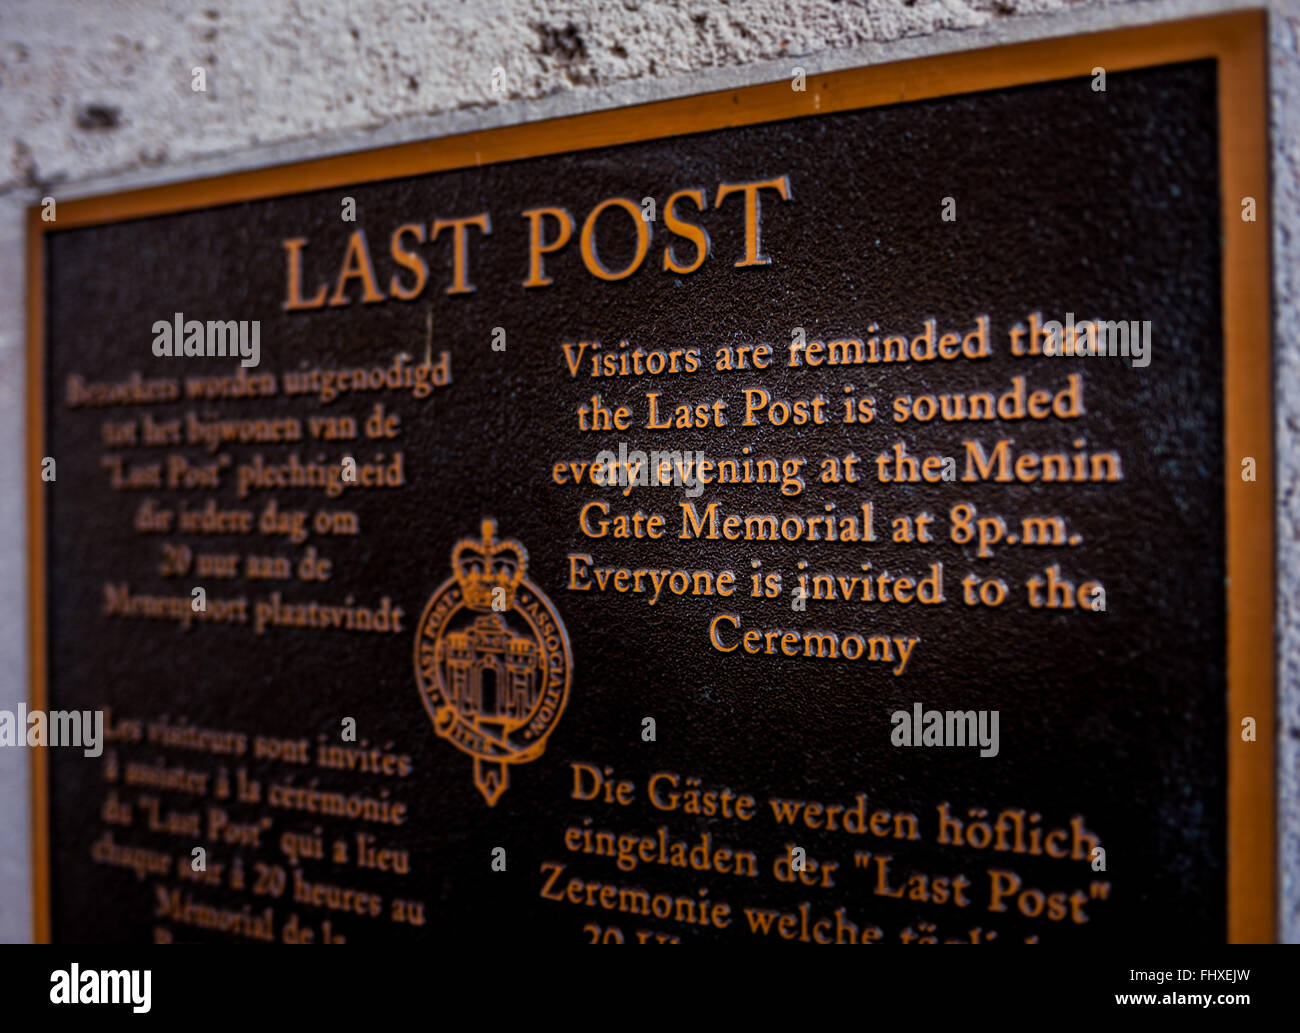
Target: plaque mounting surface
1122	202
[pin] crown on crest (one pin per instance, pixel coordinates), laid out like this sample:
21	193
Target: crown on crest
482	566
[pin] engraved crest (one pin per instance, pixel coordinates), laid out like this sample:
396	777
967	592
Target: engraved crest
492	659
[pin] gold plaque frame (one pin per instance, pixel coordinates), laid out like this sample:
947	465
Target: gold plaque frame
1237	42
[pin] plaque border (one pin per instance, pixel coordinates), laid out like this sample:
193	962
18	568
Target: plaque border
1237	41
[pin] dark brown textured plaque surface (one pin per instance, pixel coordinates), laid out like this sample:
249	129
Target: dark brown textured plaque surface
1068	201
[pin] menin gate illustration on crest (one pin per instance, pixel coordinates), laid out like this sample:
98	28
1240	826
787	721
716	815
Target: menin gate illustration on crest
492	659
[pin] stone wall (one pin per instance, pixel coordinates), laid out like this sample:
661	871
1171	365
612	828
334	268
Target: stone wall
97	96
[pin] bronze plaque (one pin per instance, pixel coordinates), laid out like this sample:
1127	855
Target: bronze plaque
793	514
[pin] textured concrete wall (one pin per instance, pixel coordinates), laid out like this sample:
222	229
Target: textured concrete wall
1284	72
96	95
104	86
